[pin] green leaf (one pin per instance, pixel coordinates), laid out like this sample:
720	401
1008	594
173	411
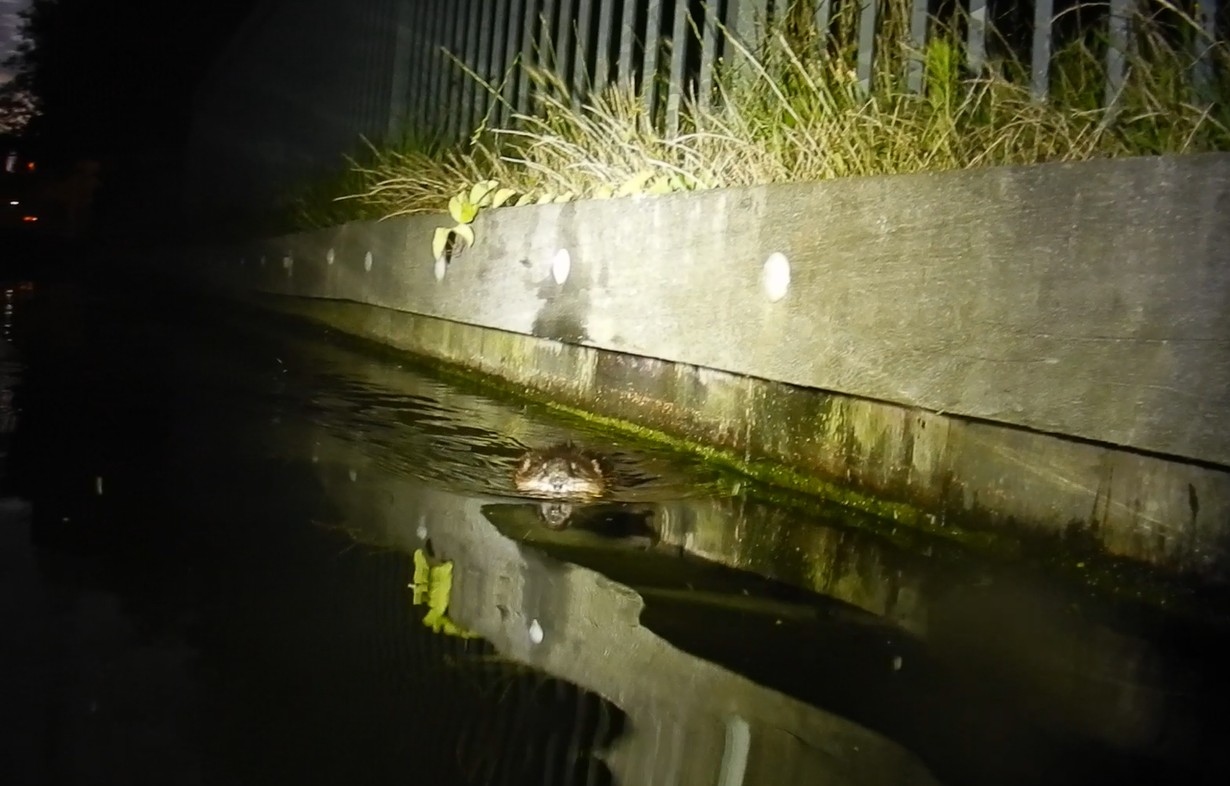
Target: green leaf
422	573
481	191
464	232
634	184
453	629
439	242
525	199
440	587
455	209
660	185
502	196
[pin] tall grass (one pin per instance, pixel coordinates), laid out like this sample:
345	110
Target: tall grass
794	111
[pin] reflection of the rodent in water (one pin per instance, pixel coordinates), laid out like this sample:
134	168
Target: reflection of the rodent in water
631	525
555	514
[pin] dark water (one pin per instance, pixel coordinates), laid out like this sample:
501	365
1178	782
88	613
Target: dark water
206	557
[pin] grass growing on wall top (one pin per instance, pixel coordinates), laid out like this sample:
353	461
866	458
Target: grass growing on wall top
795	111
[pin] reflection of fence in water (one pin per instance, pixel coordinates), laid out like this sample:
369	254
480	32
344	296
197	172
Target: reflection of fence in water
10	367
513	725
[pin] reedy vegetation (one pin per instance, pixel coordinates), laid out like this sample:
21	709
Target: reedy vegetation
794	111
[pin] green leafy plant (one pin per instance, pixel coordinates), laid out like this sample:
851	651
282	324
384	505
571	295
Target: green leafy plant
433	584
463	209
794	109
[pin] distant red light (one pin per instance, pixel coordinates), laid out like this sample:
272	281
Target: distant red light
29	218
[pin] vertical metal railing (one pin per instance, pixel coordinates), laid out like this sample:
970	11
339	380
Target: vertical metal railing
670	50
1206	20
1118	26
918	42
652	48
401	77
676	81
976	34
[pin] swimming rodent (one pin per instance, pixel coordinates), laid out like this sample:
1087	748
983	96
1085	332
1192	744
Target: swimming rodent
560	471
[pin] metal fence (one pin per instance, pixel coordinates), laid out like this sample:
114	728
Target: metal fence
306	79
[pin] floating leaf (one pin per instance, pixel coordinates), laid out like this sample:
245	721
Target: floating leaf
435	584
450	628
440	587
434	619
422	574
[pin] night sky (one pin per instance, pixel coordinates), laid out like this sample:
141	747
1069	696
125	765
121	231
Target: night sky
115	80
9	23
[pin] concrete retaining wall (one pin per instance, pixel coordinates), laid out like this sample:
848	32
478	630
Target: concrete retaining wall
915	338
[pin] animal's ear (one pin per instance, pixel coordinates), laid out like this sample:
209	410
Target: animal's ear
524	463
596	465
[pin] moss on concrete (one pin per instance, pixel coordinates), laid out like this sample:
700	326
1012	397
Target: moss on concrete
966	535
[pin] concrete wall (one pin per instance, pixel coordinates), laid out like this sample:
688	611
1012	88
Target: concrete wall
915	338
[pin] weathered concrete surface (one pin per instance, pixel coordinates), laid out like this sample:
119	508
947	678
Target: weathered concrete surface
956	472
1082	299
1088	300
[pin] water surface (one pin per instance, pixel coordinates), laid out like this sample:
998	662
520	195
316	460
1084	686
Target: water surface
208	538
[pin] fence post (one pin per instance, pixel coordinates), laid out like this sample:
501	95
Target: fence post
675	86
625	69
582	80
602	56
918	40
866	45
708	55
822	18
1040	67
451	85
529	36
502	54
563	43
1119	24
976	35
467	110
649	70
405	53
1206	22
515	10
746	20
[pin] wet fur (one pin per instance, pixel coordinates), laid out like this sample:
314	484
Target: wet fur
541	471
